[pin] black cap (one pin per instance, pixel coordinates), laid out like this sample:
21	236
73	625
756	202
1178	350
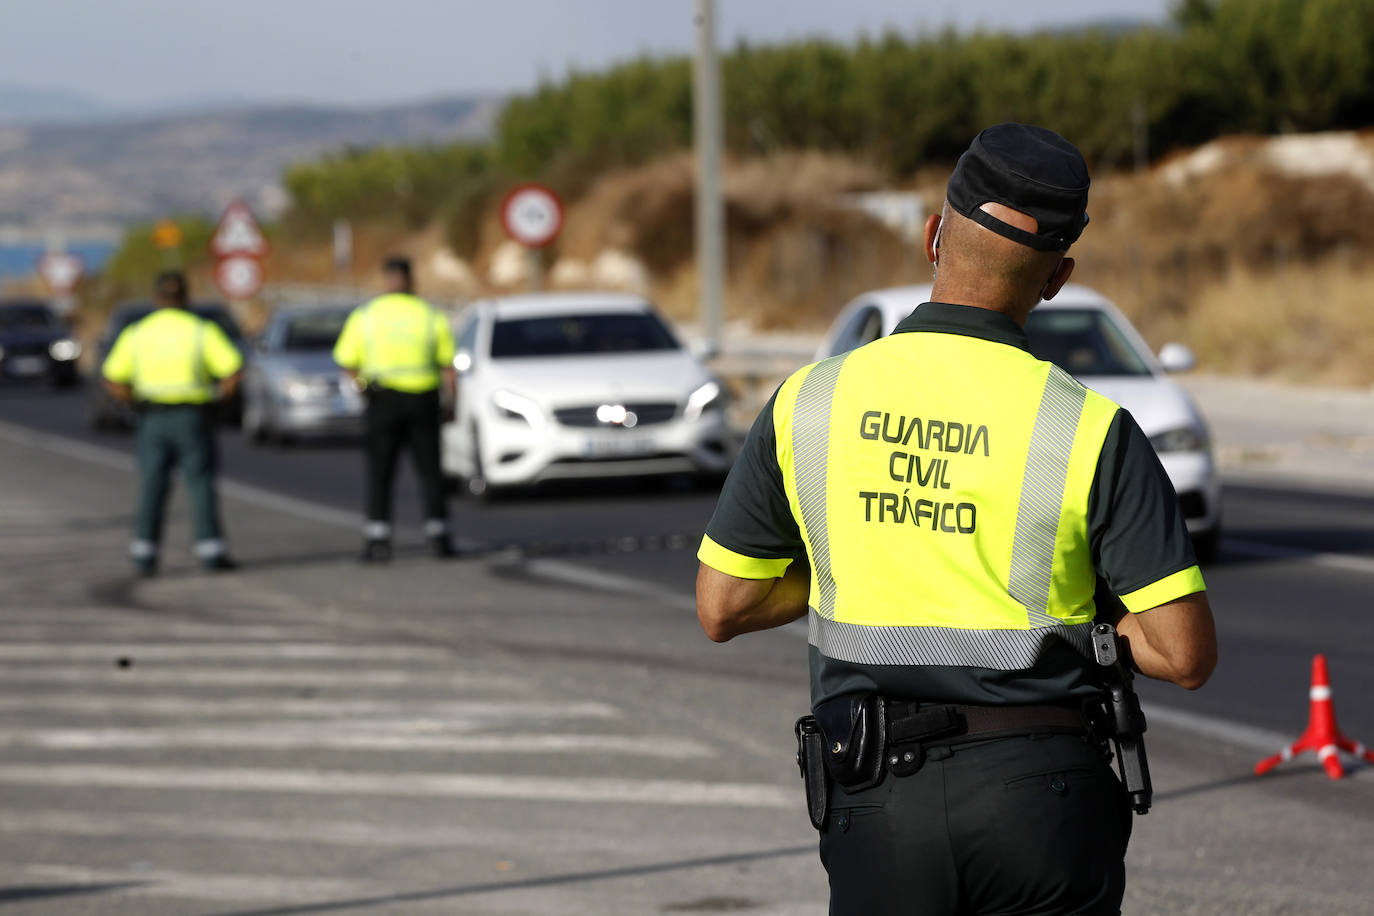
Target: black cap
397	264
1029	169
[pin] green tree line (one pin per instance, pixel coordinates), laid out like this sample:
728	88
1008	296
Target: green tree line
1218	67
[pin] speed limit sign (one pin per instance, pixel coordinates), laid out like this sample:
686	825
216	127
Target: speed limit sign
532	215
239	277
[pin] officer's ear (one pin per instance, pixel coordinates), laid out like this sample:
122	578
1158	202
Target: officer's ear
932	237
1058	279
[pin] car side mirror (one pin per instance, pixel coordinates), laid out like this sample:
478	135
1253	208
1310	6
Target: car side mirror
1175	357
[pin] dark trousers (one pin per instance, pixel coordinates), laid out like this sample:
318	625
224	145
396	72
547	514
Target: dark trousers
396	420
1024	826
169	436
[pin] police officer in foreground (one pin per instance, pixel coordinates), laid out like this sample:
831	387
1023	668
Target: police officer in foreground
175	366
952	515
399	350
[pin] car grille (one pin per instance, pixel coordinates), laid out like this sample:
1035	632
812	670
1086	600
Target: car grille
645	414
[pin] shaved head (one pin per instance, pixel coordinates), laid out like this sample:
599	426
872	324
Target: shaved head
976	266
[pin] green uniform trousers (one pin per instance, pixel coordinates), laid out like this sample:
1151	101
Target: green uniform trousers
1031	826
168	436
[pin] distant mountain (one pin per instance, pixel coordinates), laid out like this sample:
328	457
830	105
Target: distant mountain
116	171
26	104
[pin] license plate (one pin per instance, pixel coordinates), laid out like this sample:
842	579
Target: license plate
618	446
27	365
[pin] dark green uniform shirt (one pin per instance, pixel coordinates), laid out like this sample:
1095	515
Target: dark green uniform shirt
1136	530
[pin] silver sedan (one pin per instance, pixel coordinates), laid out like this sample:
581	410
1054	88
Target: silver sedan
291	386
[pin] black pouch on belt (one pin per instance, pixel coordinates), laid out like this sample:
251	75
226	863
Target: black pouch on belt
815	777
854	728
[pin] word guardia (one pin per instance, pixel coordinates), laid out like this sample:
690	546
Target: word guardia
928	435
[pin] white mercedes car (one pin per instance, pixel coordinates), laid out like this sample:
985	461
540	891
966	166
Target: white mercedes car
1083	333
574	385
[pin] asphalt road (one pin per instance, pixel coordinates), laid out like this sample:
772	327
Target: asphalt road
549	735
1295	576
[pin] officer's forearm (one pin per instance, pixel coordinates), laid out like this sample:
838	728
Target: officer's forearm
728	606
228	386
117	391
1174	642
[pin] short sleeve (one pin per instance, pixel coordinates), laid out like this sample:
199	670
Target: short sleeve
119	365
222	358
753	534
348	349
1140	543
443	340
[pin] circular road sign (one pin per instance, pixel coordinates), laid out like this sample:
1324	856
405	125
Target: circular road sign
532	215
60	270
239	277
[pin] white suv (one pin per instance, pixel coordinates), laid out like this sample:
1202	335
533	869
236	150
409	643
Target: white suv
569	385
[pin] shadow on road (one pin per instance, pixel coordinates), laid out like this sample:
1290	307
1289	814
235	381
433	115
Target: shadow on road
42	891
1247	779
609	874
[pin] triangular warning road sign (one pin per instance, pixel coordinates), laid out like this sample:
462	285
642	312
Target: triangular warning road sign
238	233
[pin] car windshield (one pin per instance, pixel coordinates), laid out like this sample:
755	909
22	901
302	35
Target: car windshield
1083	342
27	318
313	332
572	335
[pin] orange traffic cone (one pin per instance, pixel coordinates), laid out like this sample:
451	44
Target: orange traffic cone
1323	737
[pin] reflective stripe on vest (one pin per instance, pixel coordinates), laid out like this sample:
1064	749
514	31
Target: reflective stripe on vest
1049	612
1042	495
811	456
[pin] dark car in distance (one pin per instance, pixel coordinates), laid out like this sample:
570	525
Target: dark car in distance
106	413
35	343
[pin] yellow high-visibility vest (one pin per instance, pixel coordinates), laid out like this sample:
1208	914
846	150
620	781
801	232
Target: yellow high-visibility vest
172	357
920	490
397	341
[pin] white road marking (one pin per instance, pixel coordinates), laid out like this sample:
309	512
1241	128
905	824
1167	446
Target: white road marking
61	629
300	736
1278	552
328	707
279	830
1211	727
573	574
253	651
200	886
152	673
430	786
122	461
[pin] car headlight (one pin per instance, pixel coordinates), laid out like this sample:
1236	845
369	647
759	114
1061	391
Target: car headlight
308	387
511	406
64	350
1182	439
708	395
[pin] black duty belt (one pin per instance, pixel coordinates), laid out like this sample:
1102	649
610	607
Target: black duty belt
855	739
936	724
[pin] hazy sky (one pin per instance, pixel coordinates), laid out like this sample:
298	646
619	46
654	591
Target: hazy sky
146	52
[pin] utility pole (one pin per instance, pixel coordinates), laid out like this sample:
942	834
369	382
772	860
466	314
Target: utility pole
710	228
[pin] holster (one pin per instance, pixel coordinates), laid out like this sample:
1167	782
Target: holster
815	777
854	728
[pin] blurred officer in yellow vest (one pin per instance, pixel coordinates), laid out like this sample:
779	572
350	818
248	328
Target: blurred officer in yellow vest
175	366
399	349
